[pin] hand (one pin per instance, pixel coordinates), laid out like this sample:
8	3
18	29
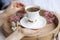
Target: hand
17	35
13	8
30	32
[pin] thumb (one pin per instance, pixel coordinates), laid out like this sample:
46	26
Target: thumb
19	30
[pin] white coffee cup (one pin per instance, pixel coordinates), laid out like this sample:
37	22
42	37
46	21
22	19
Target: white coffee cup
33	15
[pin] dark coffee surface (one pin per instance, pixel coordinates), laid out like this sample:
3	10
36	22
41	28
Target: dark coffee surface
33	9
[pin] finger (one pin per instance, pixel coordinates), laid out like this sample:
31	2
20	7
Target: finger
13	8
17	5
13	4
19	29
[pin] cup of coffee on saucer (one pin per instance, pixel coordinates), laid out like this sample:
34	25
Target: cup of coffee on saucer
32	19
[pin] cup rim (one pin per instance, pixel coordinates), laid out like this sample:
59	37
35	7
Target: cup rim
32	6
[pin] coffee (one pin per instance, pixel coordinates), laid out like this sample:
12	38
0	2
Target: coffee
33	9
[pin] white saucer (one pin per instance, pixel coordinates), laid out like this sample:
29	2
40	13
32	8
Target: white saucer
39	24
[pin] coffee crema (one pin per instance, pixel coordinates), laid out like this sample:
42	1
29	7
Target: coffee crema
33	9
